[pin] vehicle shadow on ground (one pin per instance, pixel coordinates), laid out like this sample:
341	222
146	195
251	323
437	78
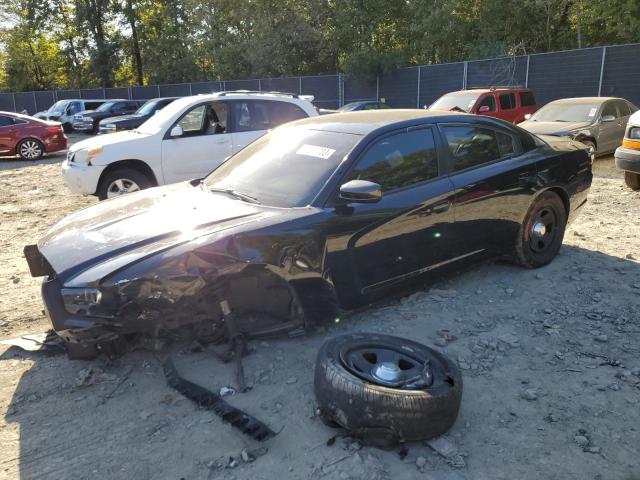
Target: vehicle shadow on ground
13	163
79	419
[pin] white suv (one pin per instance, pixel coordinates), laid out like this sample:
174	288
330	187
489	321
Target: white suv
185	140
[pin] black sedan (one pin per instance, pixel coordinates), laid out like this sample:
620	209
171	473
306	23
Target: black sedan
317	216
129	122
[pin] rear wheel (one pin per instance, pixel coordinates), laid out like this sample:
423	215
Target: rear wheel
122	181
30	149
632	180
541	234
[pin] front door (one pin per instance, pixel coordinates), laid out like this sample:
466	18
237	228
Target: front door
610	128
494	183
203	145
406	232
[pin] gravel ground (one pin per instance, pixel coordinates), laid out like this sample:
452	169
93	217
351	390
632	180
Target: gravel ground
550	360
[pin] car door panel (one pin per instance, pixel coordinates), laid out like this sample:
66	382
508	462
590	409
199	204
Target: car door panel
203	146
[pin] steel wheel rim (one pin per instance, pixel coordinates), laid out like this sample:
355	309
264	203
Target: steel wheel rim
121	186
388	366
543	230
30	149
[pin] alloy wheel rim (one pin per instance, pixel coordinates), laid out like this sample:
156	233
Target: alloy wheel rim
30	149
543	230
388	366
121	186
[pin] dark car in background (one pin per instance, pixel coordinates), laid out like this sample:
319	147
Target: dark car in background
316	216
507	103
364	105
89	120
28	137
129	122
597	122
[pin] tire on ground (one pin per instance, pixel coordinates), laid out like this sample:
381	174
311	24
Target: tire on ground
632	180
381	415
525	256
38	145
122	173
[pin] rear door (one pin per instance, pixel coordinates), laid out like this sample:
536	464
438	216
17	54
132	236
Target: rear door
203	145
507	103
494	184
610	133
406	232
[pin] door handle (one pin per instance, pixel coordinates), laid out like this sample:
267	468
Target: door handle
439	207
220	142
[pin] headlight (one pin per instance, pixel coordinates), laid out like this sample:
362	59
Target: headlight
87	119
85	155
80	300
634	133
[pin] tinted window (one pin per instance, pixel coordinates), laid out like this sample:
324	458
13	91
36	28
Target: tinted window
472	146
527	99
283	112
507	101
610	109
488	101
399	160
5	121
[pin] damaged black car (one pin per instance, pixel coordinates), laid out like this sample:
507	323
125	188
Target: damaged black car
318	216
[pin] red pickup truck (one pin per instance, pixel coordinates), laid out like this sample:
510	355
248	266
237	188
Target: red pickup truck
508	103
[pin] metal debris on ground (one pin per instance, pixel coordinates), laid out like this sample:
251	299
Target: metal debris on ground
48	342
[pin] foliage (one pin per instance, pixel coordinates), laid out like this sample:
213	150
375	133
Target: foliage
86	43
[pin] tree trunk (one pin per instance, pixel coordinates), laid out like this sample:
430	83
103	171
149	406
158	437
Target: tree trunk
137	57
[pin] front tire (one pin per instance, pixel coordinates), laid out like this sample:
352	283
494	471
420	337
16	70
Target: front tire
541	234
122	181
632	180
30	149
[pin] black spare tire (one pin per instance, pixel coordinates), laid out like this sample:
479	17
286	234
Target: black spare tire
385	389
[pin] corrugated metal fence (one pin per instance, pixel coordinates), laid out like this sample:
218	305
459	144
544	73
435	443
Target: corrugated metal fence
598	71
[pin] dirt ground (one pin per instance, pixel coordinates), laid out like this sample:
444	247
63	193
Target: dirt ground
550	360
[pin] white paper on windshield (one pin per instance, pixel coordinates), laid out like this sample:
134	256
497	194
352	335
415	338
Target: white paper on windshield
592	112
315	151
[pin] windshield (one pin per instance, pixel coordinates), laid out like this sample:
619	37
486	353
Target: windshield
58	107
464	101
105	107
285	168
148	108
566	112
165	117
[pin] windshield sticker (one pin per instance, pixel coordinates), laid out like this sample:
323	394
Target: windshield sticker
592	112
315	151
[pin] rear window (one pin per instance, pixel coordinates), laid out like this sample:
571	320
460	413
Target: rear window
5	121
527	99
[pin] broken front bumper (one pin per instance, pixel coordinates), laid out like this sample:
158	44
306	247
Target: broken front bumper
74	328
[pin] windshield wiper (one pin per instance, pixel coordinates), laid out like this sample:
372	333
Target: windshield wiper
233	193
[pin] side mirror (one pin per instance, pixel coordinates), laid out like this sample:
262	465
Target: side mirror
361	191
484	109
527	116
176	131
608	118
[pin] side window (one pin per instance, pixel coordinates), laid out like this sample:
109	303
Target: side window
488	101
5	121
250	116
283	112
192	123
623	108
507	101
371	106
473	146
74	107
527	99
610	109
399	160
92	105
131	106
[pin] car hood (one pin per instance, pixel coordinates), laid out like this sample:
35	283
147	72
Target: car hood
136	225
105	140
552	128
121	118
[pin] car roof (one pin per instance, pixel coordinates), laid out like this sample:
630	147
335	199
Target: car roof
365	122
586	100
487	90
